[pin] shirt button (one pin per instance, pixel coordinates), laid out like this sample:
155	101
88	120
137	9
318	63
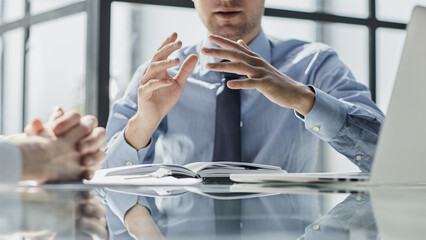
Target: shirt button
129	163
241	124
315	128
358	198
358	157
316	227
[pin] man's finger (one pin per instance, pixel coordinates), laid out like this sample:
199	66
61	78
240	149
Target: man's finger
93	142
90	121
66	122
34	128
161	50
168	40
92	163
226	43
243	84
186	69
76	134
145	92
231	55
165	51
242	43
56	113
94	160
156	67
240	68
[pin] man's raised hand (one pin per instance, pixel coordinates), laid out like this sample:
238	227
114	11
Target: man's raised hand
158	92
261	75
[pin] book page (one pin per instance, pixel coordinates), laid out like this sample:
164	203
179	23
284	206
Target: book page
143	169
137	181
224	169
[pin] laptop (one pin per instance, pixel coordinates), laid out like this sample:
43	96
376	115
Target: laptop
401	152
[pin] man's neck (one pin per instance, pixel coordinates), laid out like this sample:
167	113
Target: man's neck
252	35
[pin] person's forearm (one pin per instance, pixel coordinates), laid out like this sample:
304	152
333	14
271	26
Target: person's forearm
140	224
138	133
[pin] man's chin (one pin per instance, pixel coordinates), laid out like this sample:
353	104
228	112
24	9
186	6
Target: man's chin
231	31
232	35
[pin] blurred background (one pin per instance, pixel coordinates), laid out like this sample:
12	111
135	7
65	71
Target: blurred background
81	54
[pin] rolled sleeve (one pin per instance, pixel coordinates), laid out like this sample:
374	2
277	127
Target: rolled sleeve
327	116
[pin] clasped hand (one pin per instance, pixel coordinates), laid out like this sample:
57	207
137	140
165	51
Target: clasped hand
67	148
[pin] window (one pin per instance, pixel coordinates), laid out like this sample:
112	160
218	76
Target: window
56	65
43	59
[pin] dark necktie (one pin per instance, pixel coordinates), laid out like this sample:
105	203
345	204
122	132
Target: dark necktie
227	140
227	147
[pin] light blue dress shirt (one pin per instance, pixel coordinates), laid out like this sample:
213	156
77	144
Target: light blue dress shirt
10	162
343	114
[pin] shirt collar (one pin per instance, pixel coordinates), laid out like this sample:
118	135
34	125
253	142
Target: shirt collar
260	45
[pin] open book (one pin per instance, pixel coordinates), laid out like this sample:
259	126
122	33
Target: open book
220	192
170	174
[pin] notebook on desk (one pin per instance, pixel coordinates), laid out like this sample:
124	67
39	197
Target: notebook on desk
401	151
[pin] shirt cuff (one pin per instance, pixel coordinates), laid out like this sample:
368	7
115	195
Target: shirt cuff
326	117
120	153
120	203
143	202
326	228
11	163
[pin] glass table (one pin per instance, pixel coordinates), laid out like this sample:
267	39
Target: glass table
214	211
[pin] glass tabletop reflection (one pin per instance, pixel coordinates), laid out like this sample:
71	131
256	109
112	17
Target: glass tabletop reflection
212	211
216	212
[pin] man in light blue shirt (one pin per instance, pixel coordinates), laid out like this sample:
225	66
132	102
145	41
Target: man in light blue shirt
295	94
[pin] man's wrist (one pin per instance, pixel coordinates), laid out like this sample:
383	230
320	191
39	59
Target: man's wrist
306	100
35	157
136	134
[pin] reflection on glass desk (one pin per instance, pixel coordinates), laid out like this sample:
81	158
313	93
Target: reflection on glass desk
217	212
37	213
